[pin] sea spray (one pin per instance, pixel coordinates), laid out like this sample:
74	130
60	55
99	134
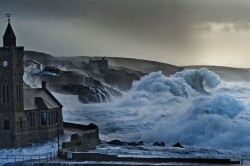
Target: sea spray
156	88
169	109
182	111
205	123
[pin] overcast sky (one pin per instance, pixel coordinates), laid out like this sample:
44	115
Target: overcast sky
179	32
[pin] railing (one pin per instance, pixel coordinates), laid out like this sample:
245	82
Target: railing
45	158
245	158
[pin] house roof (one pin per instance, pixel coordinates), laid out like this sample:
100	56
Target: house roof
32	61
39	99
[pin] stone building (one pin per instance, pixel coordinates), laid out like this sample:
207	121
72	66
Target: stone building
26	115
98	63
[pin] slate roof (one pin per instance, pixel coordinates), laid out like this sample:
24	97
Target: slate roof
39	99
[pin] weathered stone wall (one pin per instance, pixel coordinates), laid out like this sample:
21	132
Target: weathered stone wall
19	136
5	138
8	139
86	139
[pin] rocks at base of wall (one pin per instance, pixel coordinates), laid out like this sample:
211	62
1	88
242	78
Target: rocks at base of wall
159	144
178	145
121	143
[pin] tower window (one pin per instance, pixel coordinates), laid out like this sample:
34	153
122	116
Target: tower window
21	123
17	95
6	124
6	97
7	89
3	93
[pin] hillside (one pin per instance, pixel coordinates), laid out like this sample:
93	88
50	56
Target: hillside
123	71
140	65
38	56
144	65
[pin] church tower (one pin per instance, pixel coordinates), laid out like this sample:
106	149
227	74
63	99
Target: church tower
26	115
12	117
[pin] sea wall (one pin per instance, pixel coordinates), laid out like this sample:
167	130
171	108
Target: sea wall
81	157
86	139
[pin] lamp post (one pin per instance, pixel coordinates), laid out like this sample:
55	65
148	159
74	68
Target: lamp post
58	132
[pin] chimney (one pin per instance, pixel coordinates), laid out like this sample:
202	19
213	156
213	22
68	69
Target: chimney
43	84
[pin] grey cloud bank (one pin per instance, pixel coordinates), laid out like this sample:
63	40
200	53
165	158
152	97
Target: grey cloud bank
172	31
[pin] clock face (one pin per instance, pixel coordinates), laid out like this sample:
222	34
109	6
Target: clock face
5	63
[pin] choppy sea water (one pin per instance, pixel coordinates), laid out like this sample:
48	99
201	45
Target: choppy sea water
209	117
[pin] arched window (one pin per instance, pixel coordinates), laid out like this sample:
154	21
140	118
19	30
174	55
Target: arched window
6	124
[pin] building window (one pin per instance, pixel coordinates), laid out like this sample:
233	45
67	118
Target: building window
7	89
44	118
6	124
53	117
49	117
32	119
17	95
57	116
3	93
6	97
21	123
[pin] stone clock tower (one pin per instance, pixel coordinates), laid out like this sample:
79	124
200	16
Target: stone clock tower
13	120
26	115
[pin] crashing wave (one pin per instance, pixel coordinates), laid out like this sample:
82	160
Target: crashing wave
175	109
157	88
178	108
199	78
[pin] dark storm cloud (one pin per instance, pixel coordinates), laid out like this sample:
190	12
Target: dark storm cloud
140	16
119	27
162	17
160	21
219	10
